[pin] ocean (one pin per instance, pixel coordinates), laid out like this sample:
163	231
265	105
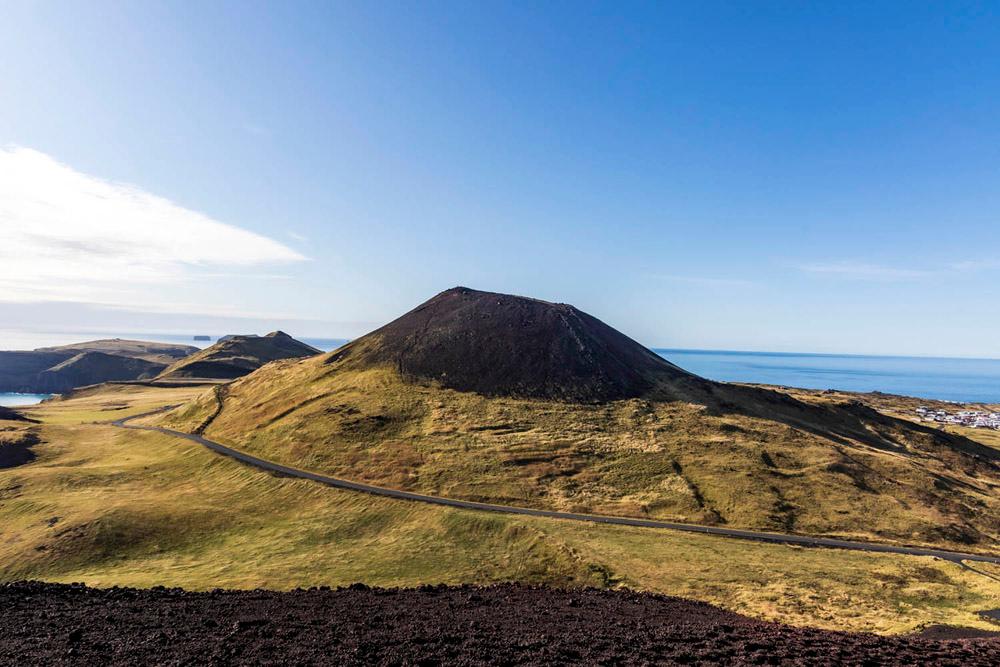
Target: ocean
16	400
950	379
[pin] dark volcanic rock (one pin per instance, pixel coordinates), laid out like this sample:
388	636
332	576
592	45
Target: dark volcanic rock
50	624
502	345
953	632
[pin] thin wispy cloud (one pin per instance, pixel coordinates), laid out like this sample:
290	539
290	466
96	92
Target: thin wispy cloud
69	236
977	265
863	271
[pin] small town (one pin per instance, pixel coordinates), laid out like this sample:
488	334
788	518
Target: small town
970	418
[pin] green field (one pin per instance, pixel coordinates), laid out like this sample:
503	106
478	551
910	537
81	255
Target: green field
112	507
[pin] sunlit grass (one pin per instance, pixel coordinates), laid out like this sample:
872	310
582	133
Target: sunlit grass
663	460
113	507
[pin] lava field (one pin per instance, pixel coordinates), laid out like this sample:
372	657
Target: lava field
50	624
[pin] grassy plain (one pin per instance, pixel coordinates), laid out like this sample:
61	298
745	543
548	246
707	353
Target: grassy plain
107	506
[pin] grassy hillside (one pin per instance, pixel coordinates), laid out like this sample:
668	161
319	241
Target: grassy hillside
19	370
904	407
93	368
157	353
108	506
236	356
841	469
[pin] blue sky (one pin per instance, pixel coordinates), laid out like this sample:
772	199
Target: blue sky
767	176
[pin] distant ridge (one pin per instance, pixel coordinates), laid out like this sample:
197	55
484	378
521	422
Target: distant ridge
94	367
161	353
60	369
505	345
235	356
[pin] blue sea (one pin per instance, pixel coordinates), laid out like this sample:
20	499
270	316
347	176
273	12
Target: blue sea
18	400
949	379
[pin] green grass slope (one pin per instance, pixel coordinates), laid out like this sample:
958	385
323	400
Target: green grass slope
112	507
513	400
158	353
673	460
89	368
236	356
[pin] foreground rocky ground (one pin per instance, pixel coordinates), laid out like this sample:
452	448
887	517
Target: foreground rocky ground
46	624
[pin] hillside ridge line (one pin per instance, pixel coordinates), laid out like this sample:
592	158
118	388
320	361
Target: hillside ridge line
736	533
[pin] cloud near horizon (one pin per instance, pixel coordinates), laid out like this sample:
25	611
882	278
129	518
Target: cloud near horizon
68	236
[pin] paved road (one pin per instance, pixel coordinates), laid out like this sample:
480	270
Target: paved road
779	538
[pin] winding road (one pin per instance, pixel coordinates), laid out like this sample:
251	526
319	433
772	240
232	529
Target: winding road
778	538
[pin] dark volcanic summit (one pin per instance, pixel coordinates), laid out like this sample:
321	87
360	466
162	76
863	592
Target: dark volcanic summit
503	345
